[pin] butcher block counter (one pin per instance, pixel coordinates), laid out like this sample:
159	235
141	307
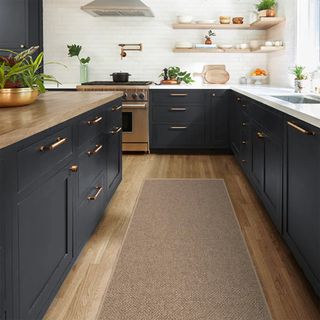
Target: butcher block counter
60	164
51	109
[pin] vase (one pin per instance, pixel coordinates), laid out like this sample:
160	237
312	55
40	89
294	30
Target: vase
17	97
84	73
267	13
300	86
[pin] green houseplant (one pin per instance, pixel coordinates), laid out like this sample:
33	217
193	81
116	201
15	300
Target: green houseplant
74	51
175	73
21	79
266	8
300	78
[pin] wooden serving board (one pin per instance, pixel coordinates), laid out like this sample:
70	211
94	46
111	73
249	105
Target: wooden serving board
214	74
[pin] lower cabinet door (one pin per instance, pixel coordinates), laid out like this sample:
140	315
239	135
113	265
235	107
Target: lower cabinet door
273	180
114	159
178	136
302	216
257	157
44	243
91	209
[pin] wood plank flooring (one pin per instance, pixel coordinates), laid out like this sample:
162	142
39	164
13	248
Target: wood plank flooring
288	293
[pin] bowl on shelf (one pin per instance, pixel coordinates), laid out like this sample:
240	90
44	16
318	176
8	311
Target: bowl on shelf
225	20
255	44
185	19
237	20
257	80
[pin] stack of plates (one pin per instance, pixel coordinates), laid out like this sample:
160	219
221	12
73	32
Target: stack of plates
209	46
184	45
225	46
206	21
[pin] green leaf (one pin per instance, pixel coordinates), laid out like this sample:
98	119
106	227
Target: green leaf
85	60
74	50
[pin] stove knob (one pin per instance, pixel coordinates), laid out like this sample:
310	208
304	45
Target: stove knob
142	96
125	96
134	96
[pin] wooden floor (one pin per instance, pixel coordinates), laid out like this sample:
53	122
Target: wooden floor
288	293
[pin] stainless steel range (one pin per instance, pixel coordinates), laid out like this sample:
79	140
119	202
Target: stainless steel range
135	109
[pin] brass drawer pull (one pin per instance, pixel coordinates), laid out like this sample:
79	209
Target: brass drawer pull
58	143
261	135
116	130
238	99
178	94
178	109
95	151
94	121
179	128
74	168
304	131
244	124
95	197
117	108
213	94
244	142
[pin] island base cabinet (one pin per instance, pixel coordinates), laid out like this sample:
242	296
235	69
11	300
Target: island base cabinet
302	211
114	160
91	210
44	240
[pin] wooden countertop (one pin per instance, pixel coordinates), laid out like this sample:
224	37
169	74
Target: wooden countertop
51	109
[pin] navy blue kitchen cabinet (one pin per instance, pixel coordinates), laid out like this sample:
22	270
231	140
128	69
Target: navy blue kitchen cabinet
257	143
189	119
302	200
20	24
54	191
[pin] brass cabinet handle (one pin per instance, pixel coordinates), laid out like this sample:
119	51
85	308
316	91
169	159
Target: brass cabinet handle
244	142
213	94
74	168
55	145
304	131
238	99
244	124
178	94
95	150
117	108
261	135
179	128
95	197
94	121
178	109
116	130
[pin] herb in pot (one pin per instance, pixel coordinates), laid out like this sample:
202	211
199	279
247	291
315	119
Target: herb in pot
299	73
175	73
266	5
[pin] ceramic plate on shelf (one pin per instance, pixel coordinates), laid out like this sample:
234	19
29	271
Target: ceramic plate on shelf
225	46
206	21
184	45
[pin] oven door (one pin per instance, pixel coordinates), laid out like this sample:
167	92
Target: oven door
135	122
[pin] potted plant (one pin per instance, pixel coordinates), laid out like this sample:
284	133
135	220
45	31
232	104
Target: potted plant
174	75
21	79
267	8
300	78
209	37
74	51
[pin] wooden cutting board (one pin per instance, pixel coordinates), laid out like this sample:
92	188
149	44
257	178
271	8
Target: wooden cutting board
214	74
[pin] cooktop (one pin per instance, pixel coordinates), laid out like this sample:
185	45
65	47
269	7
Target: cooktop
111	83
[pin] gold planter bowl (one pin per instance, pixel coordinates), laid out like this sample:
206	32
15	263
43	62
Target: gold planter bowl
17	97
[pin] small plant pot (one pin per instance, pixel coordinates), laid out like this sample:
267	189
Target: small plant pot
17	97
300	86
267	13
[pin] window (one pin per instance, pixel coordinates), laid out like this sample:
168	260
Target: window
308	33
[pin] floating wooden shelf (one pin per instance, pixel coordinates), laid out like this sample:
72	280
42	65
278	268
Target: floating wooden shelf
262	23
204	50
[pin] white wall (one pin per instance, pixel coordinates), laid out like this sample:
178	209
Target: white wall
65	23
279	63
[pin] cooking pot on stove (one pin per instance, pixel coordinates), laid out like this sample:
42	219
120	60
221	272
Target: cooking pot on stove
120	76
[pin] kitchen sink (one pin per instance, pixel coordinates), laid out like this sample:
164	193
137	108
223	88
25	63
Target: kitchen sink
299	99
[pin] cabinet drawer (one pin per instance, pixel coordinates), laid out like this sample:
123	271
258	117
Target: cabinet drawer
178	114
114	115
178	135
91	209
270	121
44	155
91	126
91	161
177	97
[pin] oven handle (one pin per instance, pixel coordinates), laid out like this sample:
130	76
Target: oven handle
134	105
